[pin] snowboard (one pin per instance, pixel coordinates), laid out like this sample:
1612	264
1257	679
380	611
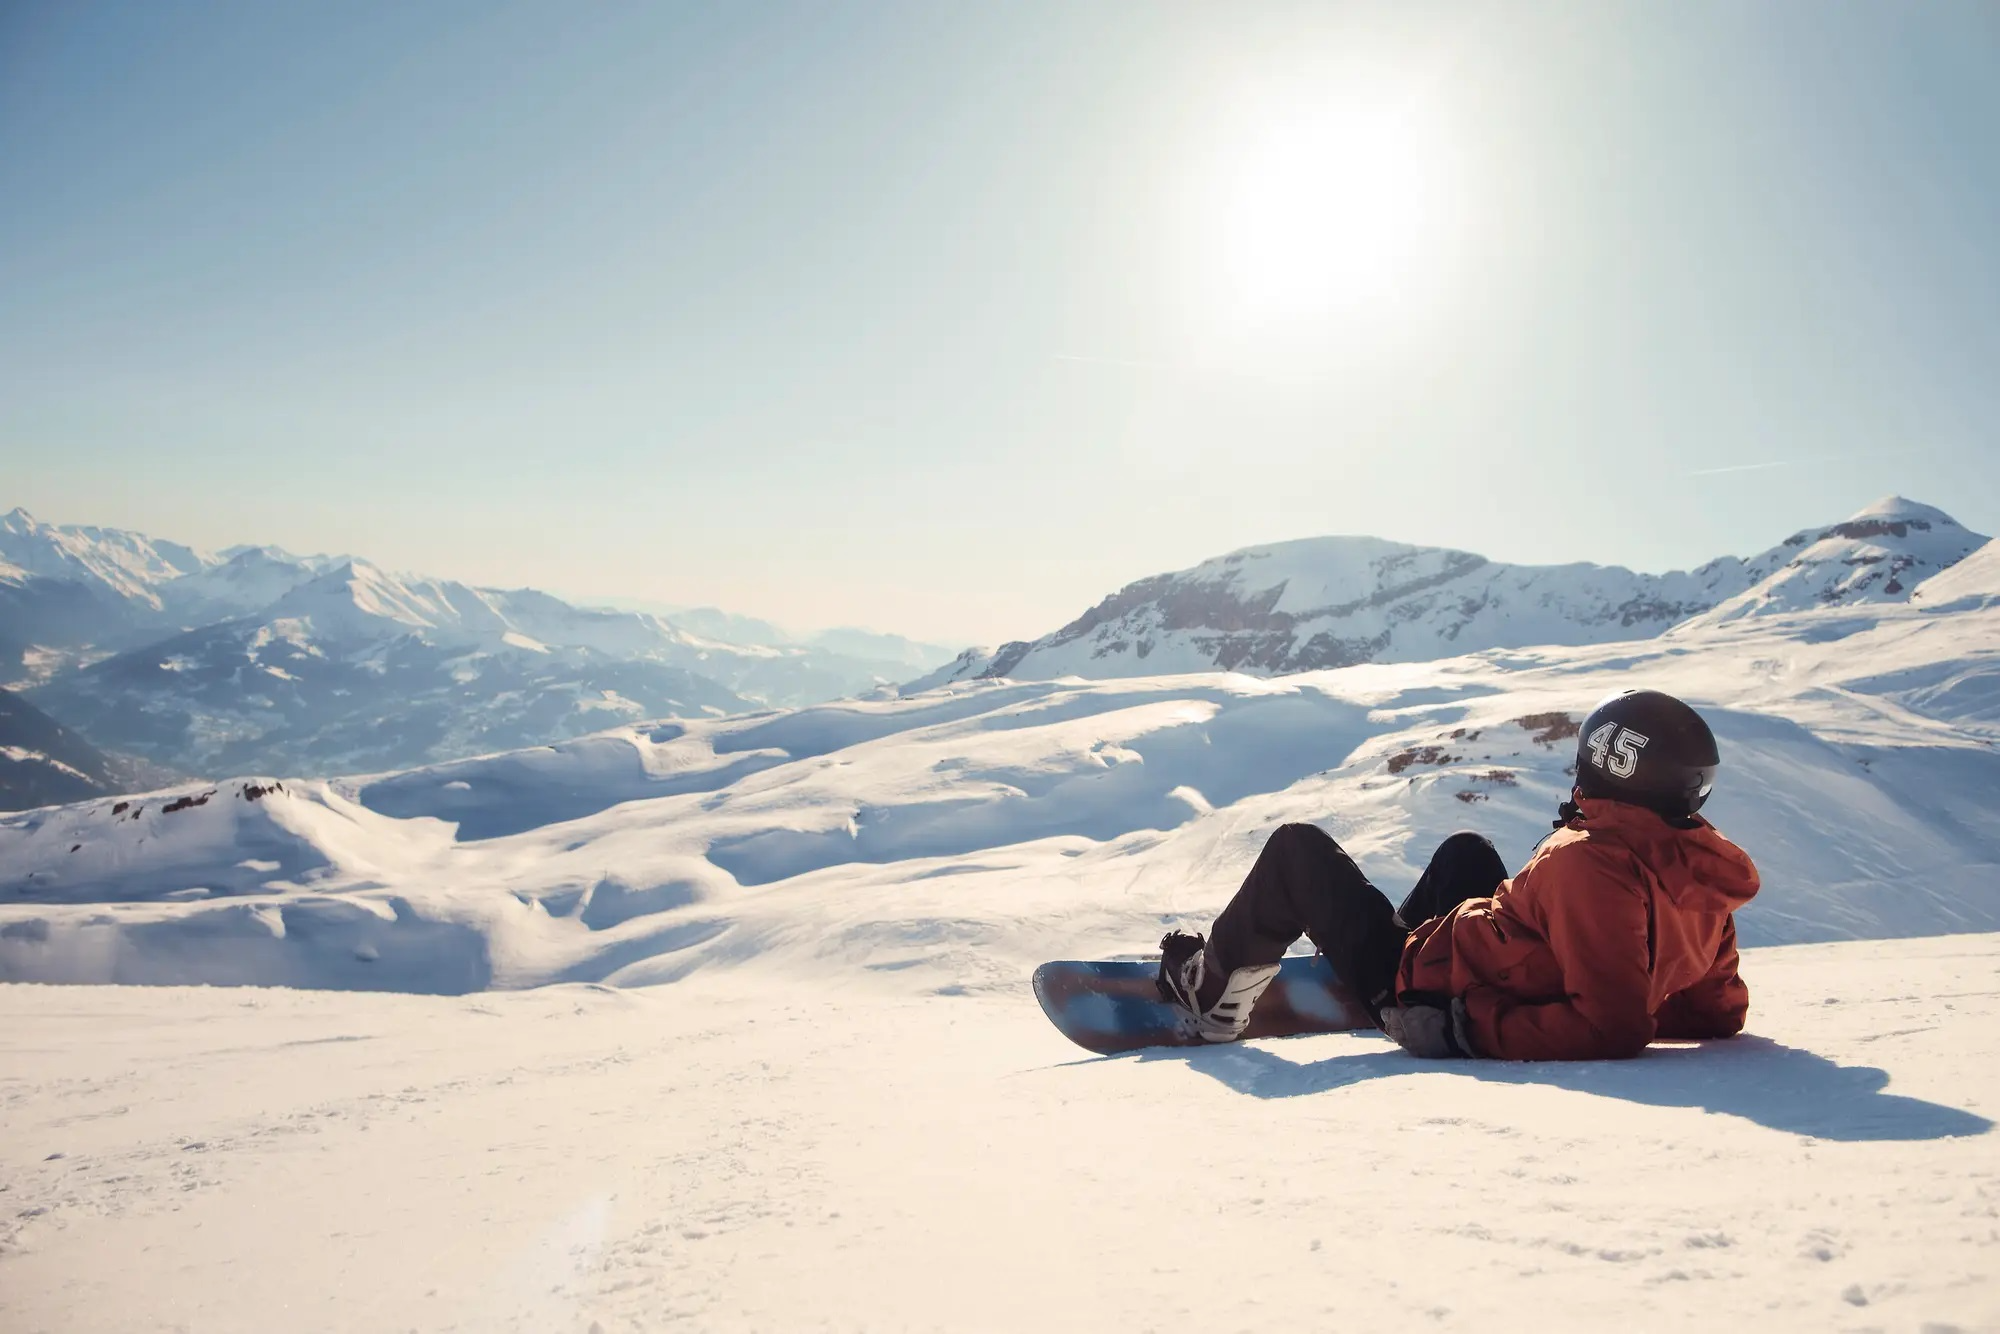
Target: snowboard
1109	1007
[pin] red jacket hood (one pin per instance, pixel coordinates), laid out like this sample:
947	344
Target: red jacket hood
1698	868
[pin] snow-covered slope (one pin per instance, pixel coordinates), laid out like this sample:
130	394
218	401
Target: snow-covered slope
246	580
820	1149
978	826
1336	601
44	613
43	763
1881	554
1974	579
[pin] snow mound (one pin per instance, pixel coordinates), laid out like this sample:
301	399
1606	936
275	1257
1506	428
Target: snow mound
188	844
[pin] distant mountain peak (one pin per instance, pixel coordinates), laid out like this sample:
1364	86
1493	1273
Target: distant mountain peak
1889	517
1902	508
1879	554
1324	602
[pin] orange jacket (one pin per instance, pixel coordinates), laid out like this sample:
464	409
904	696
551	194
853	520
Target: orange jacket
1617	931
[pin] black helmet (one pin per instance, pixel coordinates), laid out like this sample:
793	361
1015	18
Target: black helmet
1649	749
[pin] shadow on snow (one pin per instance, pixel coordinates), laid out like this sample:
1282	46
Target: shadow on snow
1783	1088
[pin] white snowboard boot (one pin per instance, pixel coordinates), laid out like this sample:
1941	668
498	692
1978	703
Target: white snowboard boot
1218	1002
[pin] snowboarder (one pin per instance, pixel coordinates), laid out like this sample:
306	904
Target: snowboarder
1619	929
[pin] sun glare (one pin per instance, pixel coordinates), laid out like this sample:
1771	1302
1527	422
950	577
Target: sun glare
1327	216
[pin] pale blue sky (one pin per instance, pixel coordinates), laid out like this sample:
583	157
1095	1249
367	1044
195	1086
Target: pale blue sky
950	319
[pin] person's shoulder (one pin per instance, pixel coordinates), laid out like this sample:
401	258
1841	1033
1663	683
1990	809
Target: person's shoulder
1576	841
1579	851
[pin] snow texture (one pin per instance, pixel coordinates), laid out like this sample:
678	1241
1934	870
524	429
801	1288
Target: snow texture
829	1147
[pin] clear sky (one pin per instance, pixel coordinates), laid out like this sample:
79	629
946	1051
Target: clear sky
951	318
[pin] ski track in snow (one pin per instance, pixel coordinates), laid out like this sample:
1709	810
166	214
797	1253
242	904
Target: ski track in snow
732	1153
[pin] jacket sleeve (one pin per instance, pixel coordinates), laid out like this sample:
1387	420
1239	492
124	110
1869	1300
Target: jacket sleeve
1598	928
1714	1007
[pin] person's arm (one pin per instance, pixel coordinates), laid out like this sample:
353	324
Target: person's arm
1714	1007
1598	929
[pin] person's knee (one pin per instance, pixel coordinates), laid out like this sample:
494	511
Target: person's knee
1301	844
1299	835
1466	841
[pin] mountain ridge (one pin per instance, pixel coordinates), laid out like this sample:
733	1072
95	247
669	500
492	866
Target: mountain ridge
1319	603
257	658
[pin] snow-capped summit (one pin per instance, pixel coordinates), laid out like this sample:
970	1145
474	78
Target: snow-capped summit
1880	554
246	580
127	565
359	600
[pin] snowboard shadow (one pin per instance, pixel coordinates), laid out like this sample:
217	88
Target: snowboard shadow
1783	1088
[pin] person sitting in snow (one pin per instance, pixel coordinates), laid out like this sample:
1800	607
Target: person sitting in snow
1619	930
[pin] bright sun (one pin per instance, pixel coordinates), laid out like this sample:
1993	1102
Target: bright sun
1327	213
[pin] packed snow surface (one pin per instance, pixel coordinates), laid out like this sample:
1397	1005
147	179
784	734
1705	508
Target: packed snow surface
812	1147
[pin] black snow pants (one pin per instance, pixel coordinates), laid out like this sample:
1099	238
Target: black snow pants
1304	884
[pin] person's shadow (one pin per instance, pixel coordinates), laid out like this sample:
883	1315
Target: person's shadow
1755	1078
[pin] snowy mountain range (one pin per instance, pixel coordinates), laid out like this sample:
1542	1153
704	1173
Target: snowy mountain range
256	658
1337	601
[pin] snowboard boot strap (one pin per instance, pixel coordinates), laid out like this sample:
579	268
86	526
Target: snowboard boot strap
1225	1020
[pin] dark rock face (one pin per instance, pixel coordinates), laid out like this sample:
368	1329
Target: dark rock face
1859	529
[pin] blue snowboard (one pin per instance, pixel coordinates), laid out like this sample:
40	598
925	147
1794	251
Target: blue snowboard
1113	1007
